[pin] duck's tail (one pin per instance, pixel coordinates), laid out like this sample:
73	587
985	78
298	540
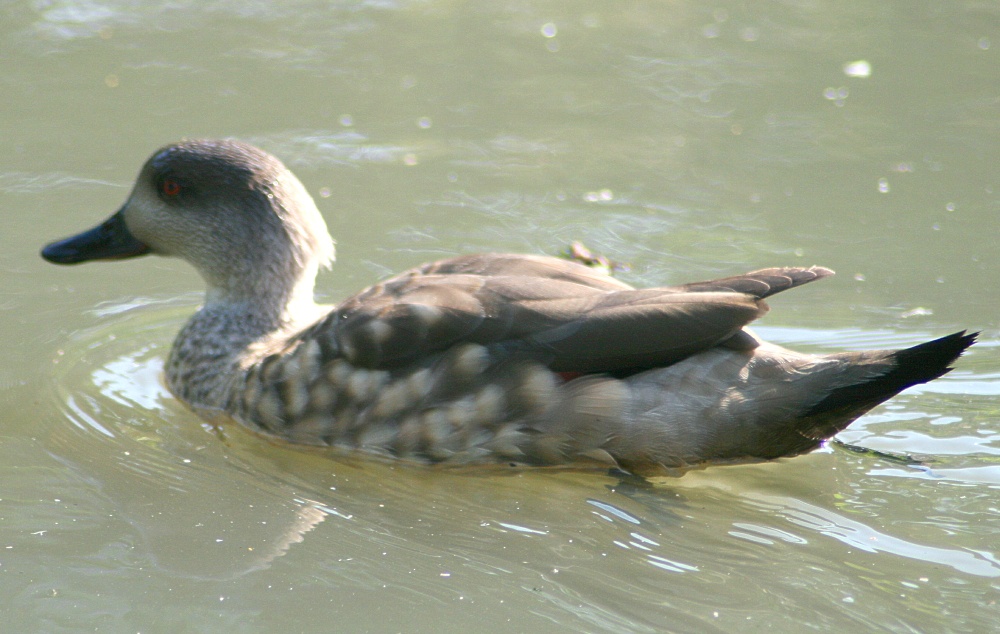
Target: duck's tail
912	366
733	406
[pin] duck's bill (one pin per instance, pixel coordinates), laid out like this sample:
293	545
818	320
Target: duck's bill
110	240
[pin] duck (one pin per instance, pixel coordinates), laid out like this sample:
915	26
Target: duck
491	358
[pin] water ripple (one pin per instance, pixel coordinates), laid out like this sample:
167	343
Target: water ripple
863	537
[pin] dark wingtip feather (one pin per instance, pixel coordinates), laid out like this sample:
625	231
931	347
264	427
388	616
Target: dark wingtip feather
762	283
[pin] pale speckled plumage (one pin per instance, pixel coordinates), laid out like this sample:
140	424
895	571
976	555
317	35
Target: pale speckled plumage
477	359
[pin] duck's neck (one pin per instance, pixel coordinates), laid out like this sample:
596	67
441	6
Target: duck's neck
230	333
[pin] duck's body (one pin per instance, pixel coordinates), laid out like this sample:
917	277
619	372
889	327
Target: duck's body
486	358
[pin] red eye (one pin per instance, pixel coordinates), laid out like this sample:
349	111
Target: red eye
170	187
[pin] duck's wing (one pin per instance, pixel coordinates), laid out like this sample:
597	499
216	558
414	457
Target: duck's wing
569	320
521	265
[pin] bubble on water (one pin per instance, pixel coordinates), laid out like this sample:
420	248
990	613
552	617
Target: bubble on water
860	68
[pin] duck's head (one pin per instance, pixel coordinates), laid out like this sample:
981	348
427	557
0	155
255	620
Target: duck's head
235	212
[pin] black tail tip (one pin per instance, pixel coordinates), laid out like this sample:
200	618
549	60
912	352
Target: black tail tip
933	359
912	366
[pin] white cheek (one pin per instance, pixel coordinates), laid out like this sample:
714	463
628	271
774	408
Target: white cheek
140	217
152	221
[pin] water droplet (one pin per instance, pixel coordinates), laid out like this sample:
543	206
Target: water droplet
549	30
883	185
860	68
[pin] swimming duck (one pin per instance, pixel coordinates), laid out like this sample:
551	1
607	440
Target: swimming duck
489	358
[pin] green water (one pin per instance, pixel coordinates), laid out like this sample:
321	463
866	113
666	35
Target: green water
688	140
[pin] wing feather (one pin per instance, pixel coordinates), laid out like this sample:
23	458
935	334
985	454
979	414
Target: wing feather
557	312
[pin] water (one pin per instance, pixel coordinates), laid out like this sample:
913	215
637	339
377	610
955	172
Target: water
687	140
